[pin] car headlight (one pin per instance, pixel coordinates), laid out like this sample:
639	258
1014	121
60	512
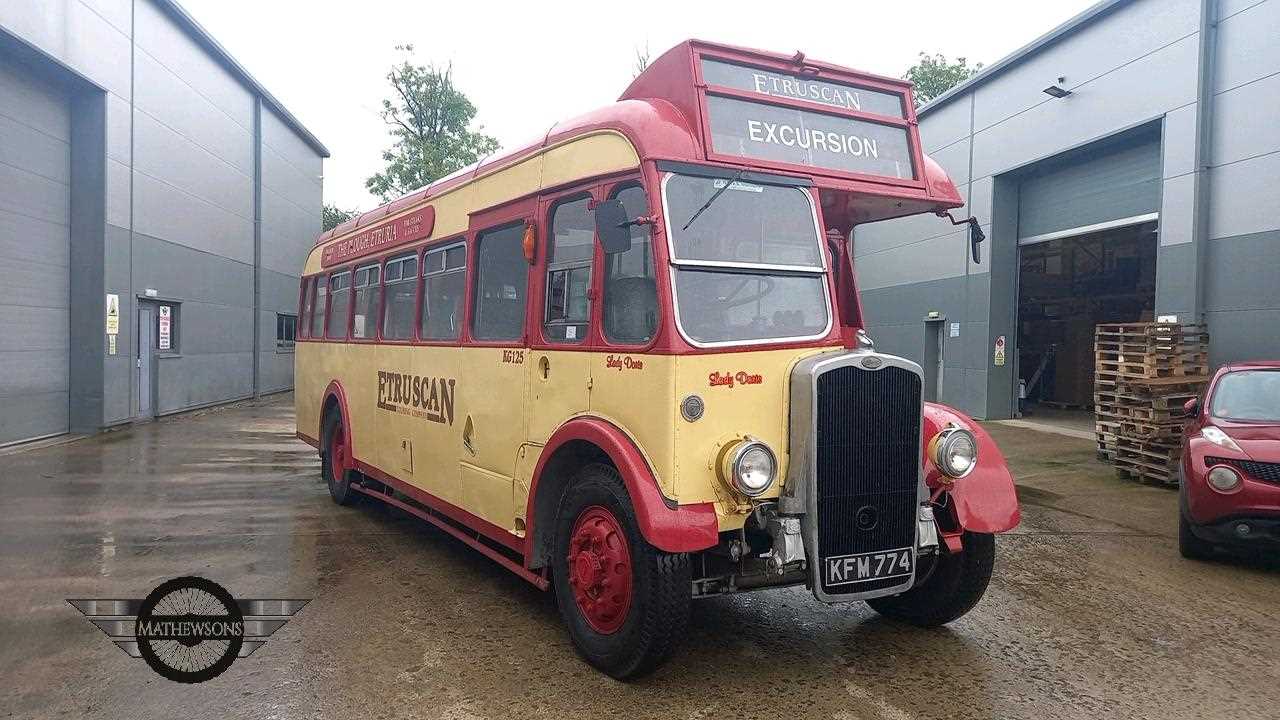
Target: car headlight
1223	478
749	467
954	452
1217	437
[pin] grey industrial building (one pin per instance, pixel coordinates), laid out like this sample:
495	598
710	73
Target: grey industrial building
1125	167
156	205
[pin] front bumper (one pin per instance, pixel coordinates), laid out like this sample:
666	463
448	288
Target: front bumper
1241	531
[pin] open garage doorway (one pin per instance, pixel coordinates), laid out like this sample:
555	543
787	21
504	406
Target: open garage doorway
1066	286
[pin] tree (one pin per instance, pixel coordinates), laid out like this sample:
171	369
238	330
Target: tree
429	119
331	216
642	61
934	75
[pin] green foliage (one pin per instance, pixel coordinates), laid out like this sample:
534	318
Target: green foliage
331	216
934	75
429	119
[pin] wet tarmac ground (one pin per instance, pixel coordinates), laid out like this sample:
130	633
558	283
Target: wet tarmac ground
1091	614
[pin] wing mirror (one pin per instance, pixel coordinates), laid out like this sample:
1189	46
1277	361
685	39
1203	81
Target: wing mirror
976	236
613	227
1191	408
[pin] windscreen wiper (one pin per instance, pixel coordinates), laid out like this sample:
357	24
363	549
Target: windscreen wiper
713	197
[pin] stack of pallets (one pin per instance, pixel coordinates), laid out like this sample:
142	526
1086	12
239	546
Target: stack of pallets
1144	374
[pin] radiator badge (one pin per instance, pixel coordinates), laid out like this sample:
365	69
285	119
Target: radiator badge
871	363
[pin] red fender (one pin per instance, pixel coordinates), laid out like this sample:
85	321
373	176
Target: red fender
986	500
335	391
683	528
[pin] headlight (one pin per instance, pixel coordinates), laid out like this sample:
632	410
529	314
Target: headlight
749	467
1217	437
954	452
1224	478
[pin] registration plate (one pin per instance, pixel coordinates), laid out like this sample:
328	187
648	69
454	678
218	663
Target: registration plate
863	567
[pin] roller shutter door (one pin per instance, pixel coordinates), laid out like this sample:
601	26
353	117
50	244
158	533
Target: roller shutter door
35	178
1108	185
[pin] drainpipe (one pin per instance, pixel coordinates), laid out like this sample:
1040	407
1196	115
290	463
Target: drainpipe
1203	153
257	246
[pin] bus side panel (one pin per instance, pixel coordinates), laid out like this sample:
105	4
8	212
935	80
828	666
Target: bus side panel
418	421
308	389
635	393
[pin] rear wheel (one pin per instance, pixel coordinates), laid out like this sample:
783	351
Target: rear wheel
625	603
335	460
956	585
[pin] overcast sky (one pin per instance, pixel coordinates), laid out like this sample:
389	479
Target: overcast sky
527	65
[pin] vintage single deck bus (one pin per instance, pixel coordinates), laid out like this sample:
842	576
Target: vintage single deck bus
627	362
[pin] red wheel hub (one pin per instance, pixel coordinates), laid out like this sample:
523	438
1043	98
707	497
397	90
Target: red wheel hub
338	452
600	569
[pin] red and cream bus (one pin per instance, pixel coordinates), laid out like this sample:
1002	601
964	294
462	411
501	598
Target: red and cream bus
627	361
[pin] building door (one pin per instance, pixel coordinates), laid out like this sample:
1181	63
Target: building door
931	360
35	246
143	360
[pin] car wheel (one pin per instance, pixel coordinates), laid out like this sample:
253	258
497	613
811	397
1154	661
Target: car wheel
956	585
625	602
335	461
1189	546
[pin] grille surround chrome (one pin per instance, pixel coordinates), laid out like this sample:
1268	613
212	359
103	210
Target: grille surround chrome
800	492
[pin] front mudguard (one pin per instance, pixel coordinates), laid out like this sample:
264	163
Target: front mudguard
985	501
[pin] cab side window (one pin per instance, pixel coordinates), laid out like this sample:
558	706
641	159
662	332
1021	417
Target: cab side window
443	289
630	313
569	271
502	279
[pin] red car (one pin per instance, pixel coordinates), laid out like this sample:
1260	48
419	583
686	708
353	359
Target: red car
1230	484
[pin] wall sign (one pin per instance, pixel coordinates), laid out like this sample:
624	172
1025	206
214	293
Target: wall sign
801	87
998	356
801	137
164	338
113	314
404	229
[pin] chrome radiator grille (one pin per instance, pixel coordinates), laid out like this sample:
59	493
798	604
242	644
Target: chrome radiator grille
868	456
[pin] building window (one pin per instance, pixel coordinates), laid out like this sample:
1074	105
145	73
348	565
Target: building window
286	331
368	302
339	305
630	291
569	271
502	278
320	294
443	289
401	278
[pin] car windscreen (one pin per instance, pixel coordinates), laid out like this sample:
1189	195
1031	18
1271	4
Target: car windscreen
1248	396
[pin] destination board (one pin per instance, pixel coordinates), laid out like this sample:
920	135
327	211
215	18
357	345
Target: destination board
801	87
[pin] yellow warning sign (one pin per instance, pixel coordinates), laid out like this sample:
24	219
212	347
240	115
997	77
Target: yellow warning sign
113	315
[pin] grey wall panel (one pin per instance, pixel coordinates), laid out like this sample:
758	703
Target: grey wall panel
285	143
26	238
1122	99
954	159
32	150
279	294
37	284
164	211
1242	335
176	271
173	102
1247	47
873	238
1100	187
210	329
931	259
1245	120
118	370
25	99
277	371
945	124
288	233
295	185
118	128
1091	55
1178	136
158	37
118	193
32	195
1243	197
43	414
973	345
162	153
1177	202
1175	270
76	35
195	380
1229	286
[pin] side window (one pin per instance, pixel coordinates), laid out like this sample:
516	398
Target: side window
630	313
502	278
401	277
308	304
320	294
339	304
569	271
444	288
368	302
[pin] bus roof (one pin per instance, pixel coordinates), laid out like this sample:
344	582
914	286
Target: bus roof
703	102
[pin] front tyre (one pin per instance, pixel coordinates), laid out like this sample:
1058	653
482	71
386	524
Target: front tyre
625	602
335	460
953	589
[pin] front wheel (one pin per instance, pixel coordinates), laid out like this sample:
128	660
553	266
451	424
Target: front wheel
625	602
953	589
